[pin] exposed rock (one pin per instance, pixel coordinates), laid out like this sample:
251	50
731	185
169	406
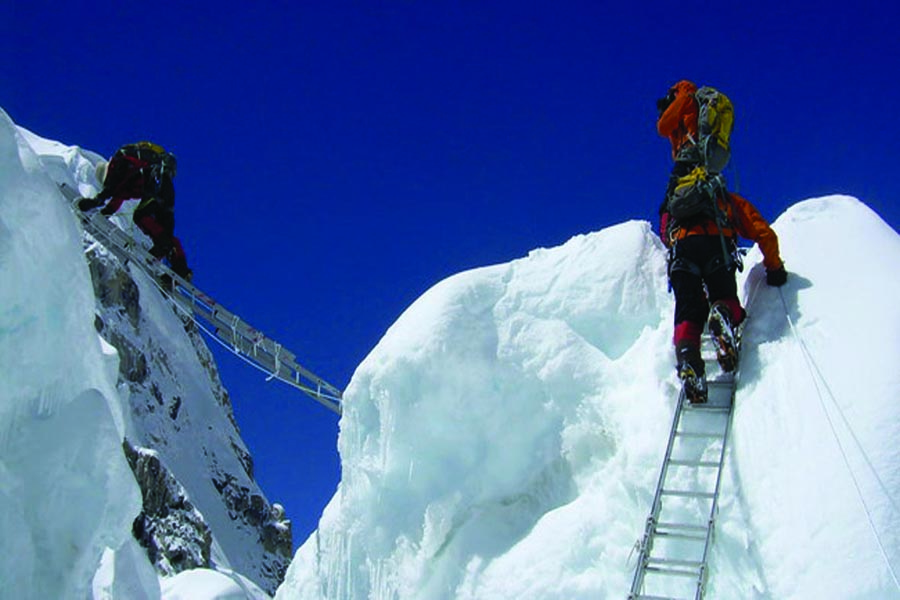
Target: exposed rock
113	286
194	470
277	536
169	527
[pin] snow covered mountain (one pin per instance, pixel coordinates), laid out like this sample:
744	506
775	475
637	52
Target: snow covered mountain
503	440
119	447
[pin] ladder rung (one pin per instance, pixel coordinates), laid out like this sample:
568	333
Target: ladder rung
676	572
680	462
682	526
709	408
690	564
700	434
688	494
691	537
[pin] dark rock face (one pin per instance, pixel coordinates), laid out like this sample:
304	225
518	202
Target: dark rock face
274	529
169	527
184	447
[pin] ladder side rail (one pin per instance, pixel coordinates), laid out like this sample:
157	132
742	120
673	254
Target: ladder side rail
286	370
283	368
713	512
285	373
233	330
201	304
227	322
647	541
222	318
117	241
124	247
279	361
210	310
214	312
330	402
324	388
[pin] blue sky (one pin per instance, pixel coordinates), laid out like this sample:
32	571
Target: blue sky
336	159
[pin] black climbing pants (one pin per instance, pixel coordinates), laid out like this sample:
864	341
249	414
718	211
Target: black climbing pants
700	275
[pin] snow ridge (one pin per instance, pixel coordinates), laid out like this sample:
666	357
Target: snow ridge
504	437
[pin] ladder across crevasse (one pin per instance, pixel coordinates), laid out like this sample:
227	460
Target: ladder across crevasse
229	329
674	550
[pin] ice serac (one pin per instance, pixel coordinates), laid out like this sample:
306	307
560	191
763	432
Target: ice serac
485	434
504	438
66	492
116	432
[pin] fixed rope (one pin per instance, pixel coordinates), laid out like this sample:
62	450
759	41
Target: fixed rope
817	376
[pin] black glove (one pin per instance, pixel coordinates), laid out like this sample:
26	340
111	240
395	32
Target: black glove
86	204
776	277
106	210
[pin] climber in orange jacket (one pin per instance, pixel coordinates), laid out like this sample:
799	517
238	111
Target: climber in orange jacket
702	250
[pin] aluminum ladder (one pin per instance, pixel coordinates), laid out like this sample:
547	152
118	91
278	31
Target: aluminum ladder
255	347
674	550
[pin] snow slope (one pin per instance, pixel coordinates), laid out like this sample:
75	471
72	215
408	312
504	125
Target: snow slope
504	438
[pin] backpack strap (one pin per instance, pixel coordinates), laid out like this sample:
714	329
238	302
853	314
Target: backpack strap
723	222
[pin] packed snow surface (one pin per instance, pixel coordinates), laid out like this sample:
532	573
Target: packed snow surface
504	438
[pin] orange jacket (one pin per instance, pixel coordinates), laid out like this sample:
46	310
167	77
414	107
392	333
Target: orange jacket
745	221
679	121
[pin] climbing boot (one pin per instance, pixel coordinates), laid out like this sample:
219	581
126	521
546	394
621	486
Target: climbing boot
692	373
725	336
161	249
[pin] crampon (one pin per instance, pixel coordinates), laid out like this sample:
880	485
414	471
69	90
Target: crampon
725	337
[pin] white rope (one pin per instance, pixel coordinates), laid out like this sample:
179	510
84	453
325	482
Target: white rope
816	374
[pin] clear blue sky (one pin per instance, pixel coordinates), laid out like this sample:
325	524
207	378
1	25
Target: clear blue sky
337	159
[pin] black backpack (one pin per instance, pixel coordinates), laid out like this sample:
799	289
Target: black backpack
694	196
159	171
